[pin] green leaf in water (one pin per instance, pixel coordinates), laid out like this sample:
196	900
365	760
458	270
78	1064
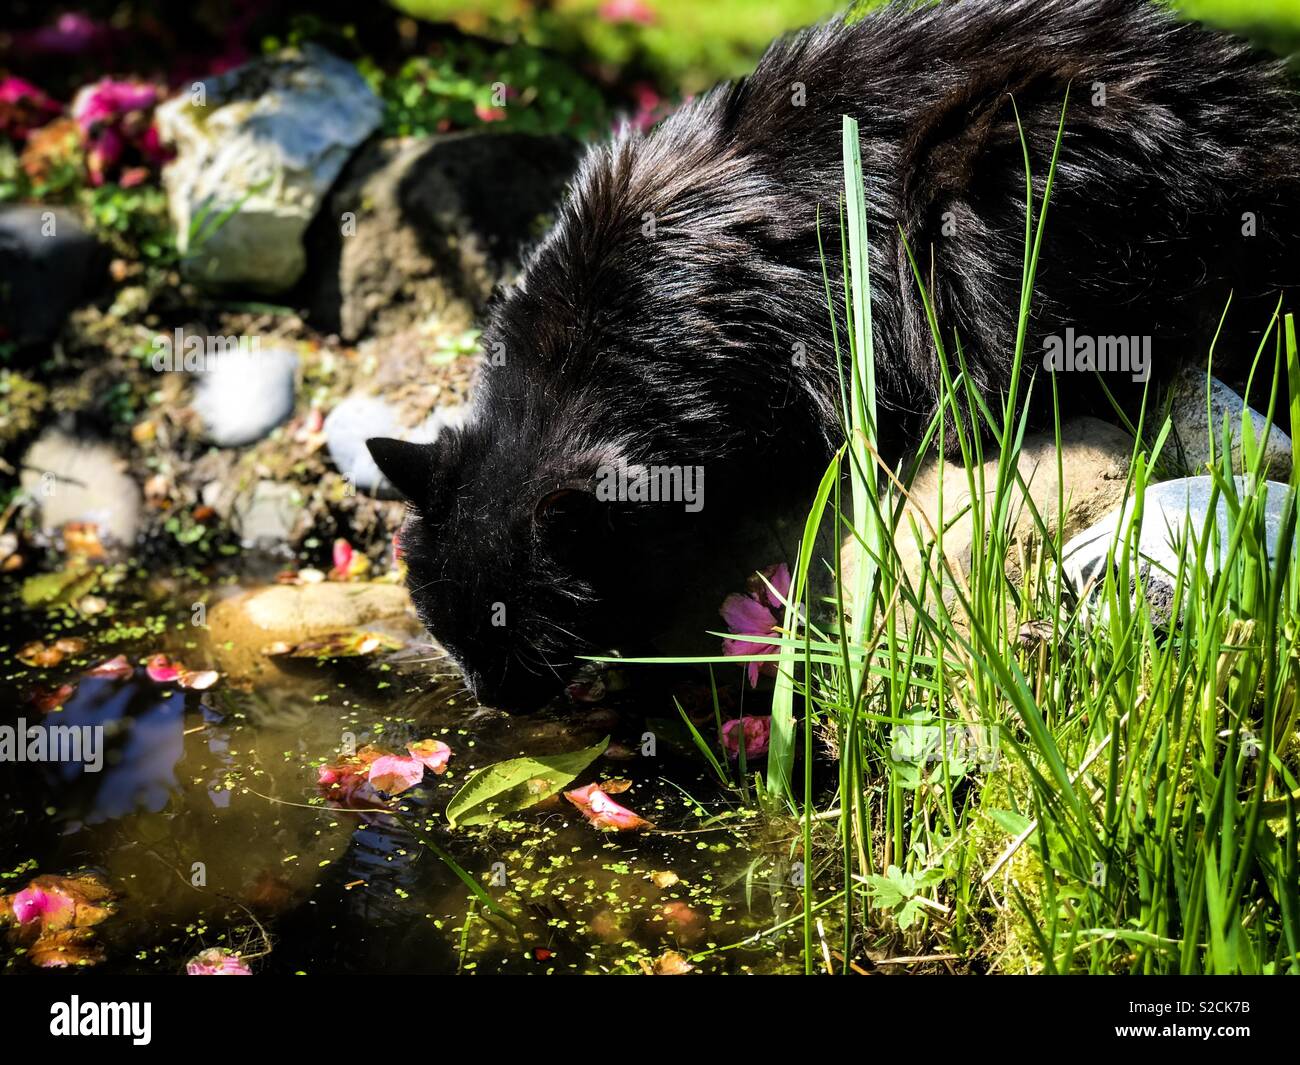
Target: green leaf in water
55	589
516	784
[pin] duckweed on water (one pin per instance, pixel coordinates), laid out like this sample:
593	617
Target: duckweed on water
207	822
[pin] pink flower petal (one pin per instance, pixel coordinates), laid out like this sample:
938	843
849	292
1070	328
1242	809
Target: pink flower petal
36	904
746	617
395	773
116	668
342	555
162	670
756	730
778	577
604	812
433	753
217	961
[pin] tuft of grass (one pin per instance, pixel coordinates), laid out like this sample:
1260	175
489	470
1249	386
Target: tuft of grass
1030	779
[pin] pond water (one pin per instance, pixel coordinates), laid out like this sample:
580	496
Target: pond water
207	821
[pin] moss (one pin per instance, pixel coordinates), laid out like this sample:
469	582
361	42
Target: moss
22	403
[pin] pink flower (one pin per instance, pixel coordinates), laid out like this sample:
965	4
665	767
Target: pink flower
756	730
114	118
217	961
489	114
347	780
604	812
627	11
395	773
162	670
34	903
348	562
757	614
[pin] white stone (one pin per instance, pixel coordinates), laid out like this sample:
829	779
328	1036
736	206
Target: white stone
1172	511
246	395
79	480
265	145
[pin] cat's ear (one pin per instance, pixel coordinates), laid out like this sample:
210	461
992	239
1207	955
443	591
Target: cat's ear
408	466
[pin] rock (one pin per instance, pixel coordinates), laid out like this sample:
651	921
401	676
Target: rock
359	417
242	626
246	394
73	479
265	145
48	264
1094	462
418	226
1170	510
268	515
1187	412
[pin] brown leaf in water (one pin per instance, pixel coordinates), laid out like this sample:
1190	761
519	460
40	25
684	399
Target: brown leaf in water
336	645
39	655
48	699
82	538
71	946
671	963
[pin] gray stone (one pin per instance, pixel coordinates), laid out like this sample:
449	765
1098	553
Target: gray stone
265	145
243	626
246	395
359	417
1188	413
72	479
48	265
1172	511
432	225
268	515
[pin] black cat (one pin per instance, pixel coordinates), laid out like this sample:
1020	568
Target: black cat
676	316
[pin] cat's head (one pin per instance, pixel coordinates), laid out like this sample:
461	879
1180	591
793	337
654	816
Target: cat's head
512	558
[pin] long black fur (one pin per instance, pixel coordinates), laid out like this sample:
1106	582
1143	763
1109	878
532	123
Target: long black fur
680	348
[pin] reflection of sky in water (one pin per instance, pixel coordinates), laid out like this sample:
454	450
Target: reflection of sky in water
143	741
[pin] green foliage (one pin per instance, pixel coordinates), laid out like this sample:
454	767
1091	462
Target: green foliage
134	221
466	85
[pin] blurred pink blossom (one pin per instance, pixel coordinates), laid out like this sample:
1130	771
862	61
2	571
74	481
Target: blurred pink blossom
72	33
636	11
756	730
116	119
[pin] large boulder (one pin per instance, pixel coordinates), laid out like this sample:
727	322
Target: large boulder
1093	469
258	148
49	263
419	227
243	626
